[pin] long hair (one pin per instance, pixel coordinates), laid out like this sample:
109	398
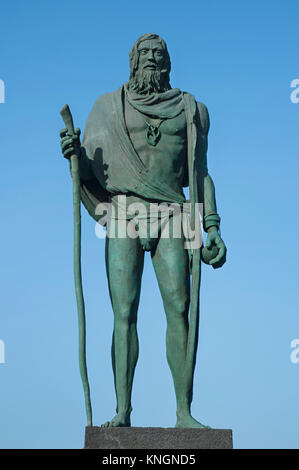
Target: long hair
134	55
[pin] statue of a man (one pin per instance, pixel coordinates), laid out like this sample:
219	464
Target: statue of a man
147	141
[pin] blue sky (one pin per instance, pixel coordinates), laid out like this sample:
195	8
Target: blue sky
239	58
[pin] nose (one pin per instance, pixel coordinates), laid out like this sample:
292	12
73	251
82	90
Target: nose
150	55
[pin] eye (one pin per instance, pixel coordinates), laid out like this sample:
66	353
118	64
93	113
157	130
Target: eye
143	51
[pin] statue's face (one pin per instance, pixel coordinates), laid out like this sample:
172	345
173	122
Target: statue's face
151	55
150	66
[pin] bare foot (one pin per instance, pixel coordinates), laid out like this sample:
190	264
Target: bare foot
186	421
120	420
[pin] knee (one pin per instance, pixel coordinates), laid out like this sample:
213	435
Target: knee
176	305
125	314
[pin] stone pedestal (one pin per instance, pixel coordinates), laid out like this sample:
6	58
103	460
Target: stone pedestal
157	438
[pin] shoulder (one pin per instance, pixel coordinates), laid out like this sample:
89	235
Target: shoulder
105	100
201	112
100	114
203	117
102	109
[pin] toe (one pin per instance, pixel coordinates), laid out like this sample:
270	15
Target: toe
105	425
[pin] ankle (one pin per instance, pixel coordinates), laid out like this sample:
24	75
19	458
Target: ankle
124	411
183	409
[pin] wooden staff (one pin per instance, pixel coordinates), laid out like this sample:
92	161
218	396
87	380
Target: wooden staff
68	121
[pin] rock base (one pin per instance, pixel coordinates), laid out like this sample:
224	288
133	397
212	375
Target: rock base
157	438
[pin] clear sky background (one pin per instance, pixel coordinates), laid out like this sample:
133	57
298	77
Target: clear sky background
239	58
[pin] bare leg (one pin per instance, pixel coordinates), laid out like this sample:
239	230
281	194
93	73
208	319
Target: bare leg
124	265
171	264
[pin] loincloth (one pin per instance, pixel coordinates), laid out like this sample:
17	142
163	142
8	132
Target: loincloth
148	221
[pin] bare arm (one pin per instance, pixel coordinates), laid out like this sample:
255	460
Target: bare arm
206	187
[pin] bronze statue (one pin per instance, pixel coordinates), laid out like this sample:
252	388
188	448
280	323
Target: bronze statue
142	145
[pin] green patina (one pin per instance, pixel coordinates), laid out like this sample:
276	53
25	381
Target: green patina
148	141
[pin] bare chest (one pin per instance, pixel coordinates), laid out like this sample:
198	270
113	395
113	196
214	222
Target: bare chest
160	143
138	124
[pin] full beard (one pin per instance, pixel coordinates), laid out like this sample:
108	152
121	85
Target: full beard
146	82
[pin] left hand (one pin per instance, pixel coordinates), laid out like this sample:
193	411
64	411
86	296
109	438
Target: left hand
214	238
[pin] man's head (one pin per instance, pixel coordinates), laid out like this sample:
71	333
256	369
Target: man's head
149	65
